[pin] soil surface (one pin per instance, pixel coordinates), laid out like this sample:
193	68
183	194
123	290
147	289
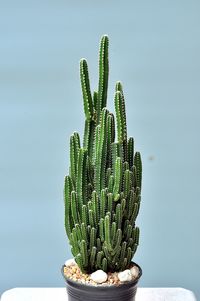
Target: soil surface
74	273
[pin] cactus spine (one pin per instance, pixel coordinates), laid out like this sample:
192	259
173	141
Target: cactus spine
102	191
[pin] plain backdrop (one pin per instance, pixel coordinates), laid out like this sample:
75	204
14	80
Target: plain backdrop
154	51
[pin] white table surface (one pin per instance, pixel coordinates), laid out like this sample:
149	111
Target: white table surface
59	294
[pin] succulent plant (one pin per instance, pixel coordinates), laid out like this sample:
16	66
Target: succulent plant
102	192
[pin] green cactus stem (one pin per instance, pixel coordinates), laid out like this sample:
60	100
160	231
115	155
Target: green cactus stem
103	75
85	84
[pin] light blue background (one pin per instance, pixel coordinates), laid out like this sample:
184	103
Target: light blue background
155	52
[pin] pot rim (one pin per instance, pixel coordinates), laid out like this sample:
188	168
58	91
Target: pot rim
103	286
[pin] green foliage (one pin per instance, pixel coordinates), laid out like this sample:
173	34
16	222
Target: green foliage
103	188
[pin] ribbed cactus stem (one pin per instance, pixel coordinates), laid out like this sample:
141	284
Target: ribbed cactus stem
119	116
95	206
138	165
67	200
118	178
123	108
85	84
88	139
79	261
92	256
117	241
103	75
107	231
84	214
130	151
84	232
74	208
81	178
84	252
99	259
92	238
100	170
104	264
101	230
95	100
74	241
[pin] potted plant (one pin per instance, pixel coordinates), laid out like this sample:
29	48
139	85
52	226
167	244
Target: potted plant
102	197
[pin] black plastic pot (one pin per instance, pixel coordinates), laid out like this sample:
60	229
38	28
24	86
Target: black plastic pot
84	292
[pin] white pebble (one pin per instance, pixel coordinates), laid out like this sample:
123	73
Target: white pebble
99	276
134	271
125	276
70	262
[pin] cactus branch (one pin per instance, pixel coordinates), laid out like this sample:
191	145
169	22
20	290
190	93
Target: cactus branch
85	84
103	75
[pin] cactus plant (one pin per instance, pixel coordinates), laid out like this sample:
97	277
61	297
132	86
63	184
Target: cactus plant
103	189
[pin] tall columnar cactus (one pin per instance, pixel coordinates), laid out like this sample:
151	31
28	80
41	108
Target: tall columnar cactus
103	188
